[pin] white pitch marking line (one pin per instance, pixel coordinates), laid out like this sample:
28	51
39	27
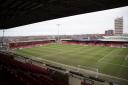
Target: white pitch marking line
116	64
71	67
126	58
105	56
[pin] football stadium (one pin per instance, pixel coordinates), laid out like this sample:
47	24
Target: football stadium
102	61
87	50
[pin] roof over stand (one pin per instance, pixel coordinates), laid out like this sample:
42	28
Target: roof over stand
15	13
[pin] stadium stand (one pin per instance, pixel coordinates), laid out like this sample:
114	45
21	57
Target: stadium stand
118	44
84	83
14	72
23	44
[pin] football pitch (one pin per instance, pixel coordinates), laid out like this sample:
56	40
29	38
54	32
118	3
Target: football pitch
110	61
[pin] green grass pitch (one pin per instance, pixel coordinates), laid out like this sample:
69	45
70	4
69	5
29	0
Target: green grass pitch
111	61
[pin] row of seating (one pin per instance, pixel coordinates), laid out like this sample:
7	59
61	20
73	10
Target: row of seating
99	43
85	83
28	44
19	73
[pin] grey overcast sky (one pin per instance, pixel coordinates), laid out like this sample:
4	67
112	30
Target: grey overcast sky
88	23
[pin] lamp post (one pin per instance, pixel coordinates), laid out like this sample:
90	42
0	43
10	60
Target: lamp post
3	32
2	42
58	33
3	38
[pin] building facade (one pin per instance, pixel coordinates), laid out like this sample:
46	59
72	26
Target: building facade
119	26
109	32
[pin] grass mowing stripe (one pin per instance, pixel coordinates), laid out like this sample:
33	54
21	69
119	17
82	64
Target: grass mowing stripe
111	59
